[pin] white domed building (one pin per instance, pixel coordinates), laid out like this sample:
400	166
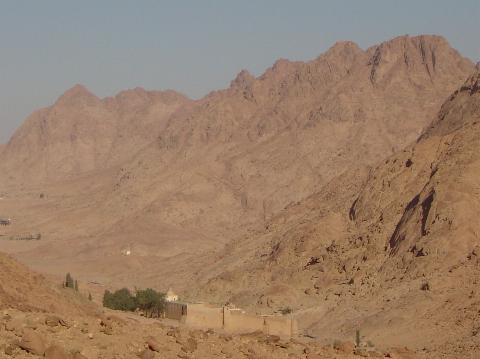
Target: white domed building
171	296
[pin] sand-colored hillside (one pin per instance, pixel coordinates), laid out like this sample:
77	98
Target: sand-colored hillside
322	186
26	291
394	251
38	321
216	168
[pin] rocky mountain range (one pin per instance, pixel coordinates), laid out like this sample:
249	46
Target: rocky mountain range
394	250
343	188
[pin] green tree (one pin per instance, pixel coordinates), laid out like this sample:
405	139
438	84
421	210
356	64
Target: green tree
121	299
69	281
151	302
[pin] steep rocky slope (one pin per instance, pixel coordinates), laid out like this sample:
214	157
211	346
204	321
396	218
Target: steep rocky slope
393	251
26	291
276	167
263	143
220	166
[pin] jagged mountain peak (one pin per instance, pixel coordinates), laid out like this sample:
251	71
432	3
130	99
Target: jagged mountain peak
343	48
78	94
420	58
243	79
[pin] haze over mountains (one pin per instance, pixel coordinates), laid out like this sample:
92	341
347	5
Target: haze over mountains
319	182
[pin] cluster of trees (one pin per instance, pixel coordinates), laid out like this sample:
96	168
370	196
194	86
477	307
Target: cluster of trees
70	282
73	284
149	301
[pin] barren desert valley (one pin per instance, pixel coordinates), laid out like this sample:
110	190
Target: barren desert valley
342	192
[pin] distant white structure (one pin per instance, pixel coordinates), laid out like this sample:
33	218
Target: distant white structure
127	251
171	296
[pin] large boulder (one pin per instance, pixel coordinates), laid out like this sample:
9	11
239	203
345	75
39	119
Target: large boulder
56	352
153	345
33	342
14	325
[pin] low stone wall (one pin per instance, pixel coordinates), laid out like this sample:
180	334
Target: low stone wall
281	326
175	310
204	316
236	321
232	320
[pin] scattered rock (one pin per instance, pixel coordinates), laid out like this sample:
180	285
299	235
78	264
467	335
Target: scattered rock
272	339
344	347
199	334
106	327
175	333
54	321
11	348
15	325
190	345
6	316
146	354
401	353
79	355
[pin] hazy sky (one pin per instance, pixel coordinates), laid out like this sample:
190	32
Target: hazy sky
192	46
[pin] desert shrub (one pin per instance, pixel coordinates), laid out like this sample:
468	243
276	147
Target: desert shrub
121	299
425	286
286	310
